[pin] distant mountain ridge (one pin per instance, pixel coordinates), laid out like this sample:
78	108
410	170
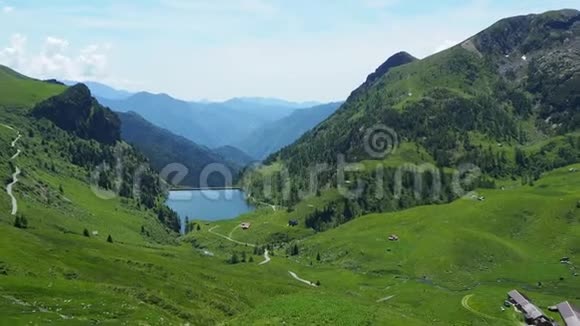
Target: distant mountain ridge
273	137
102	90
210	124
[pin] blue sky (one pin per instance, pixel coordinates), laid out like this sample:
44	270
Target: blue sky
212	49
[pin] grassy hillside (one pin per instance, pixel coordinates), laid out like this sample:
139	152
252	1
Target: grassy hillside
88	248
17	90
468	252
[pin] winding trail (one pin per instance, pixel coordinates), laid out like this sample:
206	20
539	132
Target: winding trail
266	258
9	190
10	186
385	298
16	140
229	238
273	207
16	155
301	279
465	304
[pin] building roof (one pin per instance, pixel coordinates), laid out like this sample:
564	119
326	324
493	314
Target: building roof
529	309
570	314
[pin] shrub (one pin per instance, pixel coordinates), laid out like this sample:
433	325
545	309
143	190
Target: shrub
21	222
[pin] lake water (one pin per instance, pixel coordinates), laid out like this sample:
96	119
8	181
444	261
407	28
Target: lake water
208	205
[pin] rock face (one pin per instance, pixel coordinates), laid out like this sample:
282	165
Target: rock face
528	34
76	111
540	53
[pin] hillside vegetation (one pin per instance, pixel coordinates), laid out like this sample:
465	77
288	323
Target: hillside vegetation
92	242
488	101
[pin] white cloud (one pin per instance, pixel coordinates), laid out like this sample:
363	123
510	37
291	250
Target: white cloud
13	55
7	9
54	60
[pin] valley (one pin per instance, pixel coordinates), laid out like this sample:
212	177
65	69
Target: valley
440	185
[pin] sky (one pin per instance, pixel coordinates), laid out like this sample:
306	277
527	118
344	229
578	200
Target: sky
297	50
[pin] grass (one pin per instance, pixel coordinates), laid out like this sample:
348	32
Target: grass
454	263
17	90
447	253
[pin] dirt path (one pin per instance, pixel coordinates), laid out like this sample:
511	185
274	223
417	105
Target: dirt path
15	175
229	238
273	207
16	140
385	298
16	155
266	258
301	279
9	190
465	304
7	126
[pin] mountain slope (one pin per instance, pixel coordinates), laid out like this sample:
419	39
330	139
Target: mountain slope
473	103
75	110
19	90
164	148
235	155
272	137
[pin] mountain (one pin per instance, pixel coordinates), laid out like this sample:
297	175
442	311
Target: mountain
164	148
76	111
209	124
165	112
64	139
102	90
502	99
235	155
274	136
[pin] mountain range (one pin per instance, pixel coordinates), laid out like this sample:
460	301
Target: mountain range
445	183
209	124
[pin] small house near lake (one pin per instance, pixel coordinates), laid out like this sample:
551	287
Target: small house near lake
245	225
